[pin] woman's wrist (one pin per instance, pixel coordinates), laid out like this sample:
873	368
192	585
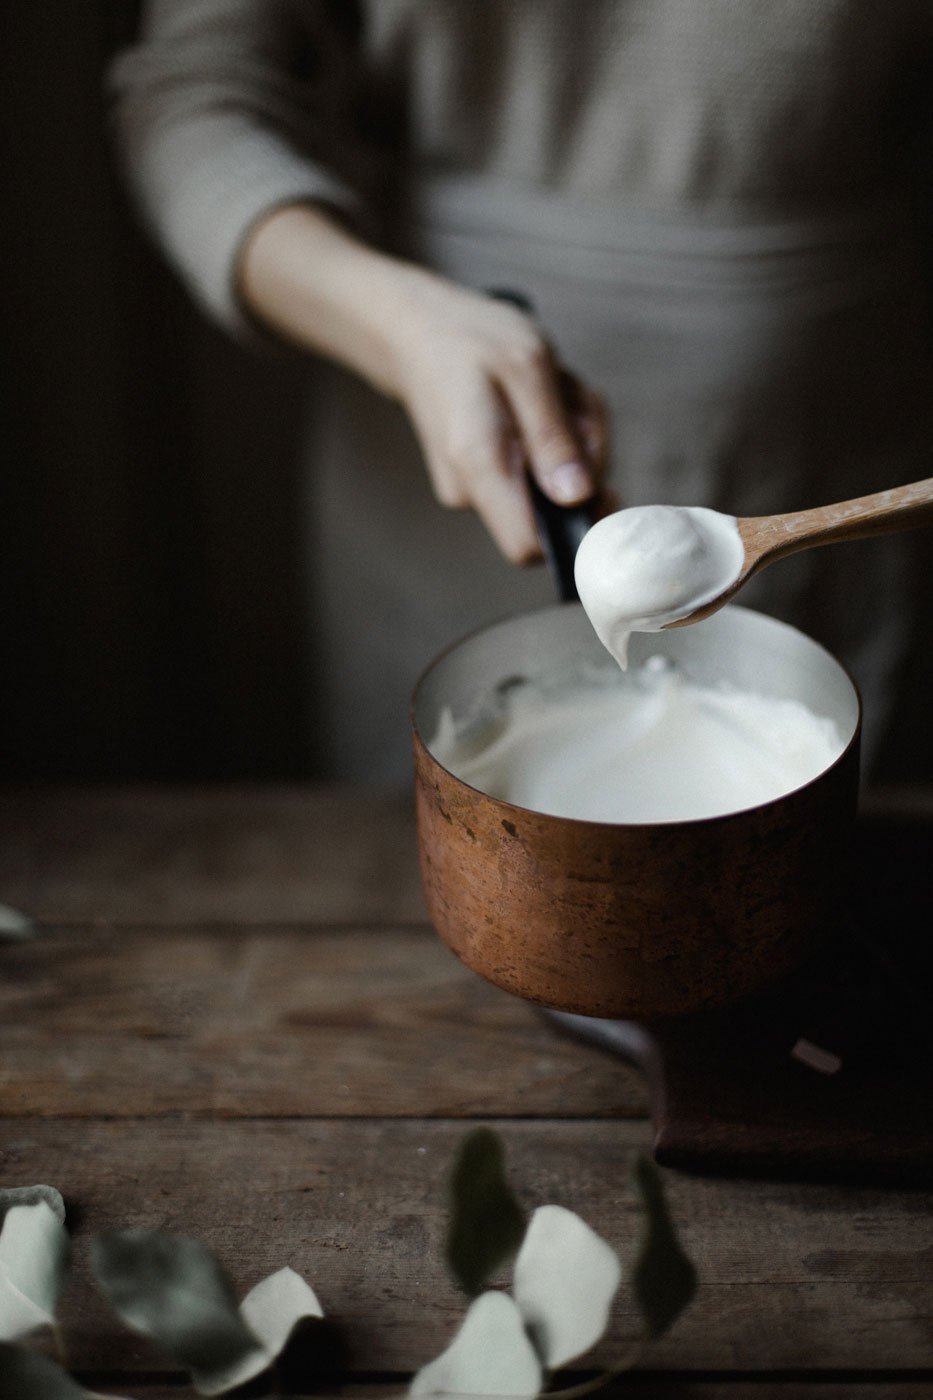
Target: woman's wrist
305	276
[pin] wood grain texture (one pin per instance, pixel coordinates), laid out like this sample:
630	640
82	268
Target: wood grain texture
791	1276
232	1012
634	1387
256	855
280	1022
768	537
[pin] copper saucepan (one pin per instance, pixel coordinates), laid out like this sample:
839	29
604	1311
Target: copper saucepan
633	920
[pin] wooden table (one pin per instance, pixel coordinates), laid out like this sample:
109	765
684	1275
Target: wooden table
237	1025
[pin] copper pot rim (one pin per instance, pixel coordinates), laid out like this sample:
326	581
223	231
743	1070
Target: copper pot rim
549	819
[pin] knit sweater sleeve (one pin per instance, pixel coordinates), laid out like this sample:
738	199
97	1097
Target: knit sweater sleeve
226	110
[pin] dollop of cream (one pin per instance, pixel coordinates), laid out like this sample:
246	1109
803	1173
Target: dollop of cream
648	746
642	568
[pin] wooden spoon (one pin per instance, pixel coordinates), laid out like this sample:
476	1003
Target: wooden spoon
768	538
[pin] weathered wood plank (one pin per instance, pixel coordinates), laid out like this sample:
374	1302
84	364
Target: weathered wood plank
255	854
792	1275
168	856
281	1022
633	1387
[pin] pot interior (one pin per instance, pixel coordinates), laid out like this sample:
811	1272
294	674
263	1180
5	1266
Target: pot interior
745	649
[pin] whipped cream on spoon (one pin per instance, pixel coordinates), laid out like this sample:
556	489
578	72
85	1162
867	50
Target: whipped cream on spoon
651	567
644	568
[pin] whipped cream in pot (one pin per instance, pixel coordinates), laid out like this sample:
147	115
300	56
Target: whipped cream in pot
642	568
652	745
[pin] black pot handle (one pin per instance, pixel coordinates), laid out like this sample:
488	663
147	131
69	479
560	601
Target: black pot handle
560	528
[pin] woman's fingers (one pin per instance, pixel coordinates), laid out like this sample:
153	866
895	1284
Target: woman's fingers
479	462
482	457
502	503
491	405
558	456
591	420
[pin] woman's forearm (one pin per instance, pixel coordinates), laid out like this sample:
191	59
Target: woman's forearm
304	275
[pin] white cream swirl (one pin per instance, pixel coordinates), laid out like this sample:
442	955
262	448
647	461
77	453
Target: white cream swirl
642	568
650	746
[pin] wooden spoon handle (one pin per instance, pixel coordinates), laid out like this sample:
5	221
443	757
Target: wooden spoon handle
770	537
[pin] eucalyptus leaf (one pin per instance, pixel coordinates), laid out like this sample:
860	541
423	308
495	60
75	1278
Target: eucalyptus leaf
25	1375
28	1196
33	1261
486	1221
565	1279
271	1311
490	1355
663	1279
175	1291
15	927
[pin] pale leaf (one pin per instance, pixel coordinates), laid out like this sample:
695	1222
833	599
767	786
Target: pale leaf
28	1196
663	1278
486	1221
174	1290
33	1260
275	1306
25	1375
271	1311
565	1279
490	1355
15	927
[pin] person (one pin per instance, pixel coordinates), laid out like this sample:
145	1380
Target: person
718	213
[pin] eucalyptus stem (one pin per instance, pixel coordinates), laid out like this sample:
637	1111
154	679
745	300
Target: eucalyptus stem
573	1392
58	1342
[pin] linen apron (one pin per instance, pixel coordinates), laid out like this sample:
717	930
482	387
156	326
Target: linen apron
749	367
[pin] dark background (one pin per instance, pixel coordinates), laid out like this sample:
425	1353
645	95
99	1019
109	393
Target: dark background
150	565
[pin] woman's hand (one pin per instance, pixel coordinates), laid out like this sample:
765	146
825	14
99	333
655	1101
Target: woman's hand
484	390
490	402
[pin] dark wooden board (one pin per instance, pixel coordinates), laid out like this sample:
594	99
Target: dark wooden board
254	855
220	967
633	1387
231	1021
791	1275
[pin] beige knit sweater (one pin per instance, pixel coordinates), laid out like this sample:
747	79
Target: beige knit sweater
743	107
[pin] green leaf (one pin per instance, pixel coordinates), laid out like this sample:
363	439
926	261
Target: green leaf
566	1277
15	927
486	1221
33	1261
271	1311
490	1355
25	1375
29	1195
174	1290
663	1278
